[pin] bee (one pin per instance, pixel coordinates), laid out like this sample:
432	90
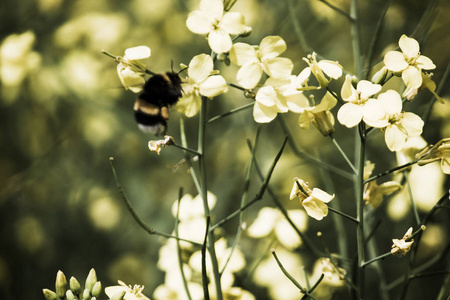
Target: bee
151	109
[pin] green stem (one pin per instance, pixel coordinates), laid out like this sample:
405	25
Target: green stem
286	273
186	149
359	184
382	256
343	214
338	10
343	154
356	38
390	171
205	280
234	110
204	195
411	199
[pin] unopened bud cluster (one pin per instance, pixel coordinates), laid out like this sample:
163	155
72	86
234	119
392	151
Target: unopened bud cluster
72	290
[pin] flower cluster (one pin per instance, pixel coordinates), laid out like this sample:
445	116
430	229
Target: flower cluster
72	290
401	247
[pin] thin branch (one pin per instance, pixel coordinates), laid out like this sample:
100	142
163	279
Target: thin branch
343	154
205	280
337	9
130	208
390	171
234	110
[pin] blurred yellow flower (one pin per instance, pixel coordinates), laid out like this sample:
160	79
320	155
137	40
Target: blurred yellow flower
409	62
210	20
314	201
374	193
201	81
256	59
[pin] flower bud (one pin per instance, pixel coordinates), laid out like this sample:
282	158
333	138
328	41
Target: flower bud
97	289
324	122
61	285
86	294
247	31
75	286
91	279
70	295
380	76
49	295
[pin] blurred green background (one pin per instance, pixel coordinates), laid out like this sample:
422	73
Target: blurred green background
63	113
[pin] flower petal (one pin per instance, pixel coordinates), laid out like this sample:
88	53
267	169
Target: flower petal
200	67
249	75
213	86
199	22
367	89
263	114
304	119
219	40
267	96
374	114
321	195
425	63
412	123
331	68
315	208
233	23
395	61
297	103
264	222
350	115
409	46
278	67
395	139
139	52
412	77
242	54
391	102
348	91
272	46
189	104
213	8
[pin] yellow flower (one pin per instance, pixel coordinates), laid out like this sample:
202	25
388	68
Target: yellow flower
130	68
386	113
211	21
352	112
312	200
440	151
374	193
427	83
256	59
319	115
201	81
409	62
331	68
278	96
401	247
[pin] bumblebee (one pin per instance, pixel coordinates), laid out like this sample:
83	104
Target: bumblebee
151	109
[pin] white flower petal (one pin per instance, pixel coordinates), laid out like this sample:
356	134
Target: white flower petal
409	46
249	75
272	46
350	115
412	123
297	103
367	89
374	114
412	77
286	235
219	40
263	114
200	67
321	195
278	67
213	86
331	68
214	8
395	61
315	209
189	104
425	63
267	96
391	102
242	54
199	22
394	138
348	91
139	52
233	23
304	119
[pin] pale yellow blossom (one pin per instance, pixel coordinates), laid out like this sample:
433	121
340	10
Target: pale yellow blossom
319	115
131	69
401	247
